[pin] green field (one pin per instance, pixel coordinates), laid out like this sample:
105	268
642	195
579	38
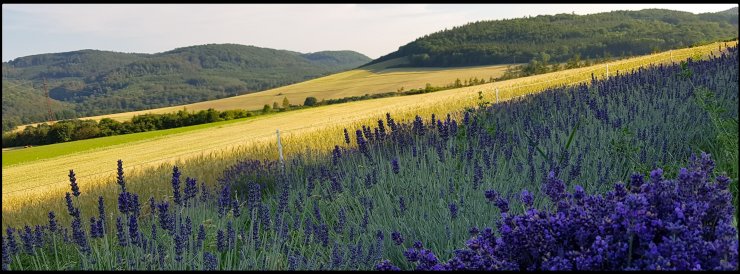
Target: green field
22	155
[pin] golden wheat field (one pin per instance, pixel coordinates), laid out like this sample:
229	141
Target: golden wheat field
204	153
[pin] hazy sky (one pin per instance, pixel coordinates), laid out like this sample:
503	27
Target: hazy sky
371	29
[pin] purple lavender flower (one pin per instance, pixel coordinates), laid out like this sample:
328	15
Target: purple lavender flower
394	165
554	187
133	230
133	204
336	185
391	124
6	256
386	265
191	189
578	193
220	241
230	235
473	231
453	210
79	236
164	216
491	195
27	239
120	179
74	212
224	201
397	238
123	202
122	241
52	222
176	185
73	184
340	223
38	236
362	144
336	255
656	175
255	197
204	194
324	234
236	209
346	136
12	243
381	130
209	261
336	155
179	247
292	263
93	228
265	217
527	198
502	205
101	211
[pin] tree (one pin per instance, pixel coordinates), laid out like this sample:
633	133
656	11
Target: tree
310	101
275	105
286	104
266	108
61	132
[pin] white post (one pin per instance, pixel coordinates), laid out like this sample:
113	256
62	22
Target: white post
280	149
496	95
607	71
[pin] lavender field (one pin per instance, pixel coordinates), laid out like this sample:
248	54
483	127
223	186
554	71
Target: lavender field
634	172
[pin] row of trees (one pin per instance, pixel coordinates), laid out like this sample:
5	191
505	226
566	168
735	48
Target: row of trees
73	130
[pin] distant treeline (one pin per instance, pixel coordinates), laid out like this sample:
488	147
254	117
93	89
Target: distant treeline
73	130
562	36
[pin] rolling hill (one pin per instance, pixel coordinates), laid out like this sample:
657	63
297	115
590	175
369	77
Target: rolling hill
368	80
558	38
91	82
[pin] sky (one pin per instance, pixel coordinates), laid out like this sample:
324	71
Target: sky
370	29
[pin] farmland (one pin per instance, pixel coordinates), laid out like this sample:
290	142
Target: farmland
315	128
369	80
407	189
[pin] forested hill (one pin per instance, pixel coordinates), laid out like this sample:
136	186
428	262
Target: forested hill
91	82
562	36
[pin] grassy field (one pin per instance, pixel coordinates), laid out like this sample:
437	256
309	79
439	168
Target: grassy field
204	151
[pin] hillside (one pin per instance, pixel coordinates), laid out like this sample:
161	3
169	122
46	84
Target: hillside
565	36
357	82
90	82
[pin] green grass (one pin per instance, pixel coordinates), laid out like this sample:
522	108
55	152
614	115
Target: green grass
17	156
